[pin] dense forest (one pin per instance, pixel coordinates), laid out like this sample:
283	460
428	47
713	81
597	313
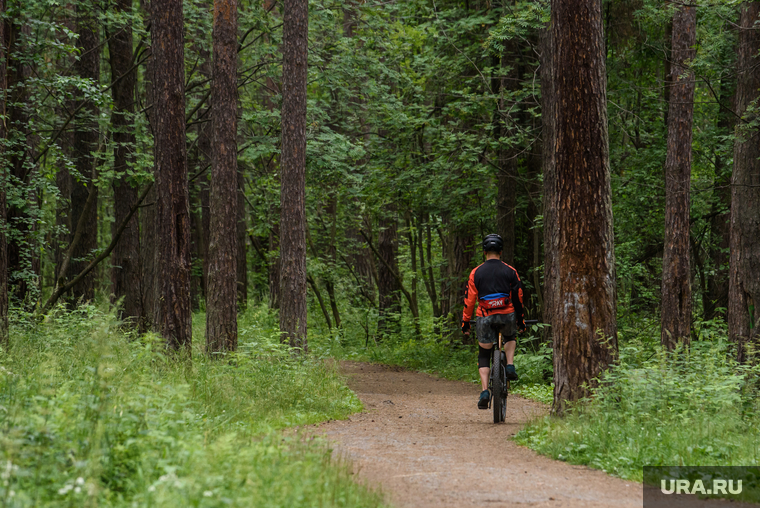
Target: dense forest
348	157
207	205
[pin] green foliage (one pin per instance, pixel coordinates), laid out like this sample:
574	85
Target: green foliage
688	407
523	19
92	416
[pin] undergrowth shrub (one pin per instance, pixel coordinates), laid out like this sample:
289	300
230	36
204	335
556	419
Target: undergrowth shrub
90	416
692	407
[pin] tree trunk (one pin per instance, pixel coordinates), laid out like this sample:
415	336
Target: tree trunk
428	275
273	252
534	298
274	266
196	241
199	161
85	145
551	233
148	239
242	256
413	241
459	247
173	308
676	265
744	283
125	271
293	174
63	235
204	147
17	125
506	201
506	195
332	255
584	321
360	263
221	299
720	231
389	292
148	234
4	336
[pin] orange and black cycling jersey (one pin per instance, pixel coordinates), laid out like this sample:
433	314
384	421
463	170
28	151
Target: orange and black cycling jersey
496	288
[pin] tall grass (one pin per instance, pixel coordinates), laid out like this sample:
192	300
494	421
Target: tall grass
693	407
91	416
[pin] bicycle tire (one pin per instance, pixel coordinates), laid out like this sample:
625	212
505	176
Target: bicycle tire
504	390
498	387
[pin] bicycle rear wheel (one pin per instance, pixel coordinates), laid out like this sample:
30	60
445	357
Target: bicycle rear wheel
499	401
504	389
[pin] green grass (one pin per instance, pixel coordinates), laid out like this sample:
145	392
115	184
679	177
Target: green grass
692	408
91	416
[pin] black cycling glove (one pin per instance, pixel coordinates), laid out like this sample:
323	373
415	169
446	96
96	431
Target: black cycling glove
465	326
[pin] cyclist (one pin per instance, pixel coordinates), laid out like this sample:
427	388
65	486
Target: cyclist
497	289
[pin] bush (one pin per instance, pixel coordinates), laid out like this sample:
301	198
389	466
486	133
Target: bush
688	407
90	417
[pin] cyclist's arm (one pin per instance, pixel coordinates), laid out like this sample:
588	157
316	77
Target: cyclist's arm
517	302
470	298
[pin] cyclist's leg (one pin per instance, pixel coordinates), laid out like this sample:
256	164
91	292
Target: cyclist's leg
484	369
509	349
508	331
487	335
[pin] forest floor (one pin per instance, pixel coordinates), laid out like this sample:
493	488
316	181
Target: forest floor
423	442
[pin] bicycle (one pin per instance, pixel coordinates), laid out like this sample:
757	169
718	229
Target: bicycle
498	384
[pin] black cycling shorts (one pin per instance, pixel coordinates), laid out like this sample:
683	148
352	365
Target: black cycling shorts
488	328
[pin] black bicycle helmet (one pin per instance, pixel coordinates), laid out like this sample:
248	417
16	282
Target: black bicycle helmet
493	243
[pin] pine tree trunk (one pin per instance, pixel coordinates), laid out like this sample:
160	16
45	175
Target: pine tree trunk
459	250
204	147
148	233
506	181
551	233
17	123
332	258
196	242
4	336
720	232
199	162
389	294
293	174
85	144
274	266
173	308
63	235
125	258
273	246
534	298
676	265
221	299
148	248
744	282
584	320
242	255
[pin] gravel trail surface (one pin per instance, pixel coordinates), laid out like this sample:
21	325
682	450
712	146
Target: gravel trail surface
423	442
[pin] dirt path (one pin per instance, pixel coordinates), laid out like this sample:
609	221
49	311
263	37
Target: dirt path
423	441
